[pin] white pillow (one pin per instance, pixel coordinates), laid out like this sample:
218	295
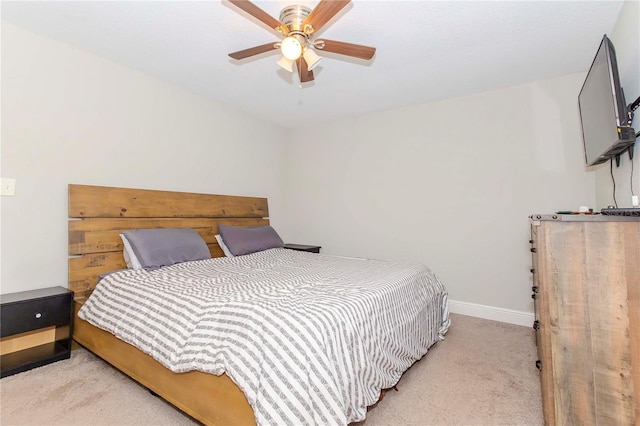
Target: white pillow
129	256
223	246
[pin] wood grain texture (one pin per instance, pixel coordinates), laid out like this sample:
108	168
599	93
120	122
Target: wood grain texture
632	276
95	248
85	270
213	400
303	71
102	201
348	49
27	340
588	274
104	212
609	324
568	312
97	235
257	13
252	51
323	12
544	332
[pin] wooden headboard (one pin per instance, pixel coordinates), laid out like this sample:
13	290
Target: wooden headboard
98	214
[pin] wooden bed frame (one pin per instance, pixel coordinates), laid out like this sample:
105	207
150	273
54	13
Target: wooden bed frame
97	215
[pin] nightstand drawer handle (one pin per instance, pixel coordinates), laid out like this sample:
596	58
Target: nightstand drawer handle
38	315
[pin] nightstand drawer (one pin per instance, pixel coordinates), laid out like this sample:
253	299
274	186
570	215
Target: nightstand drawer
29	315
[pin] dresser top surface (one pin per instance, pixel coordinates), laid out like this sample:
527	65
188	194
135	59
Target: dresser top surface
556	217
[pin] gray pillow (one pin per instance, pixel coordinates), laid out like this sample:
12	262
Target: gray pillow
241	241
223	246
166	246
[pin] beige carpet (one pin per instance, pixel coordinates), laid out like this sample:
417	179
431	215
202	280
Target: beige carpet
482	374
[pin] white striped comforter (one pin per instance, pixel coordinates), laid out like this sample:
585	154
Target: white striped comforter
309	338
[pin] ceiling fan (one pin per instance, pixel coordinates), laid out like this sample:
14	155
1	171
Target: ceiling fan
297	25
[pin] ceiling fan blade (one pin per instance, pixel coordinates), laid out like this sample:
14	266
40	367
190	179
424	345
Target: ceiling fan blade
256	50
259	14
348	49
323	12
303	70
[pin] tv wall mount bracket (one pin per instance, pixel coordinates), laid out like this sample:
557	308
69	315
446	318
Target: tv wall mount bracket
631	108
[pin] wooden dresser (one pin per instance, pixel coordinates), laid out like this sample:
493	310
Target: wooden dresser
586	288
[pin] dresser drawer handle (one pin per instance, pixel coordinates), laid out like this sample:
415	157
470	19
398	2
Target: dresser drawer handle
539	365
38	315
533	250
536	325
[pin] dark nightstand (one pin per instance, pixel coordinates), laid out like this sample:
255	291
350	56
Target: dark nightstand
302	247
36	326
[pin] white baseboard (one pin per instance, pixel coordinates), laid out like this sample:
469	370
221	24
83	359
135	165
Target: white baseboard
491	313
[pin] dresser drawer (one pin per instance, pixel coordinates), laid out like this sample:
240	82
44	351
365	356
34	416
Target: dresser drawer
27	315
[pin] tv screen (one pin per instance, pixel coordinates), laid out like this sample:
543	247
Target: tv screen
603	113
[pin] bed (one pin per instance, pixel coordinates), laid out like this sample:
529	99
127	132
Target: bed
323	343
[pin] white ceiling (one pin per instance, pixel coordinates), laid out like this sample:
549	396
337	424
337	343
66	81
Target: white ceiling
426	50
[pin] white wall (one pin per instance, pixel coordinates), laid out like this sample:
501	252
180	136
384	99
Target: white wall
624	36
71	117
449	184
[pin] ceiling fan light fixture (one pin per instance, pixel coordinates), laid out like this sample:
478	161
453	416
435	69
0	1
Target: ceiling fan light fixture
291	48
285	63
298	25
312	58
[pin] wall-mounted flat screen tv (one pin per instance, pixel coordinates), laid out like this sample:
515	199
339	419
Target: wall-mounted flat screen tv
606	130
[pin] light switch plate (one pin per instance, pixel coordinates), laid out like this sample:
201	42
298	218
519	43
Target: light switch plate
7	186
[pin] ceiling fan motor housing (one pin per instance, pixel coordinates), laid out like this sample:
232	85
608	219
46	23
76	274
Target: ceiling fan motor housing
294	16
